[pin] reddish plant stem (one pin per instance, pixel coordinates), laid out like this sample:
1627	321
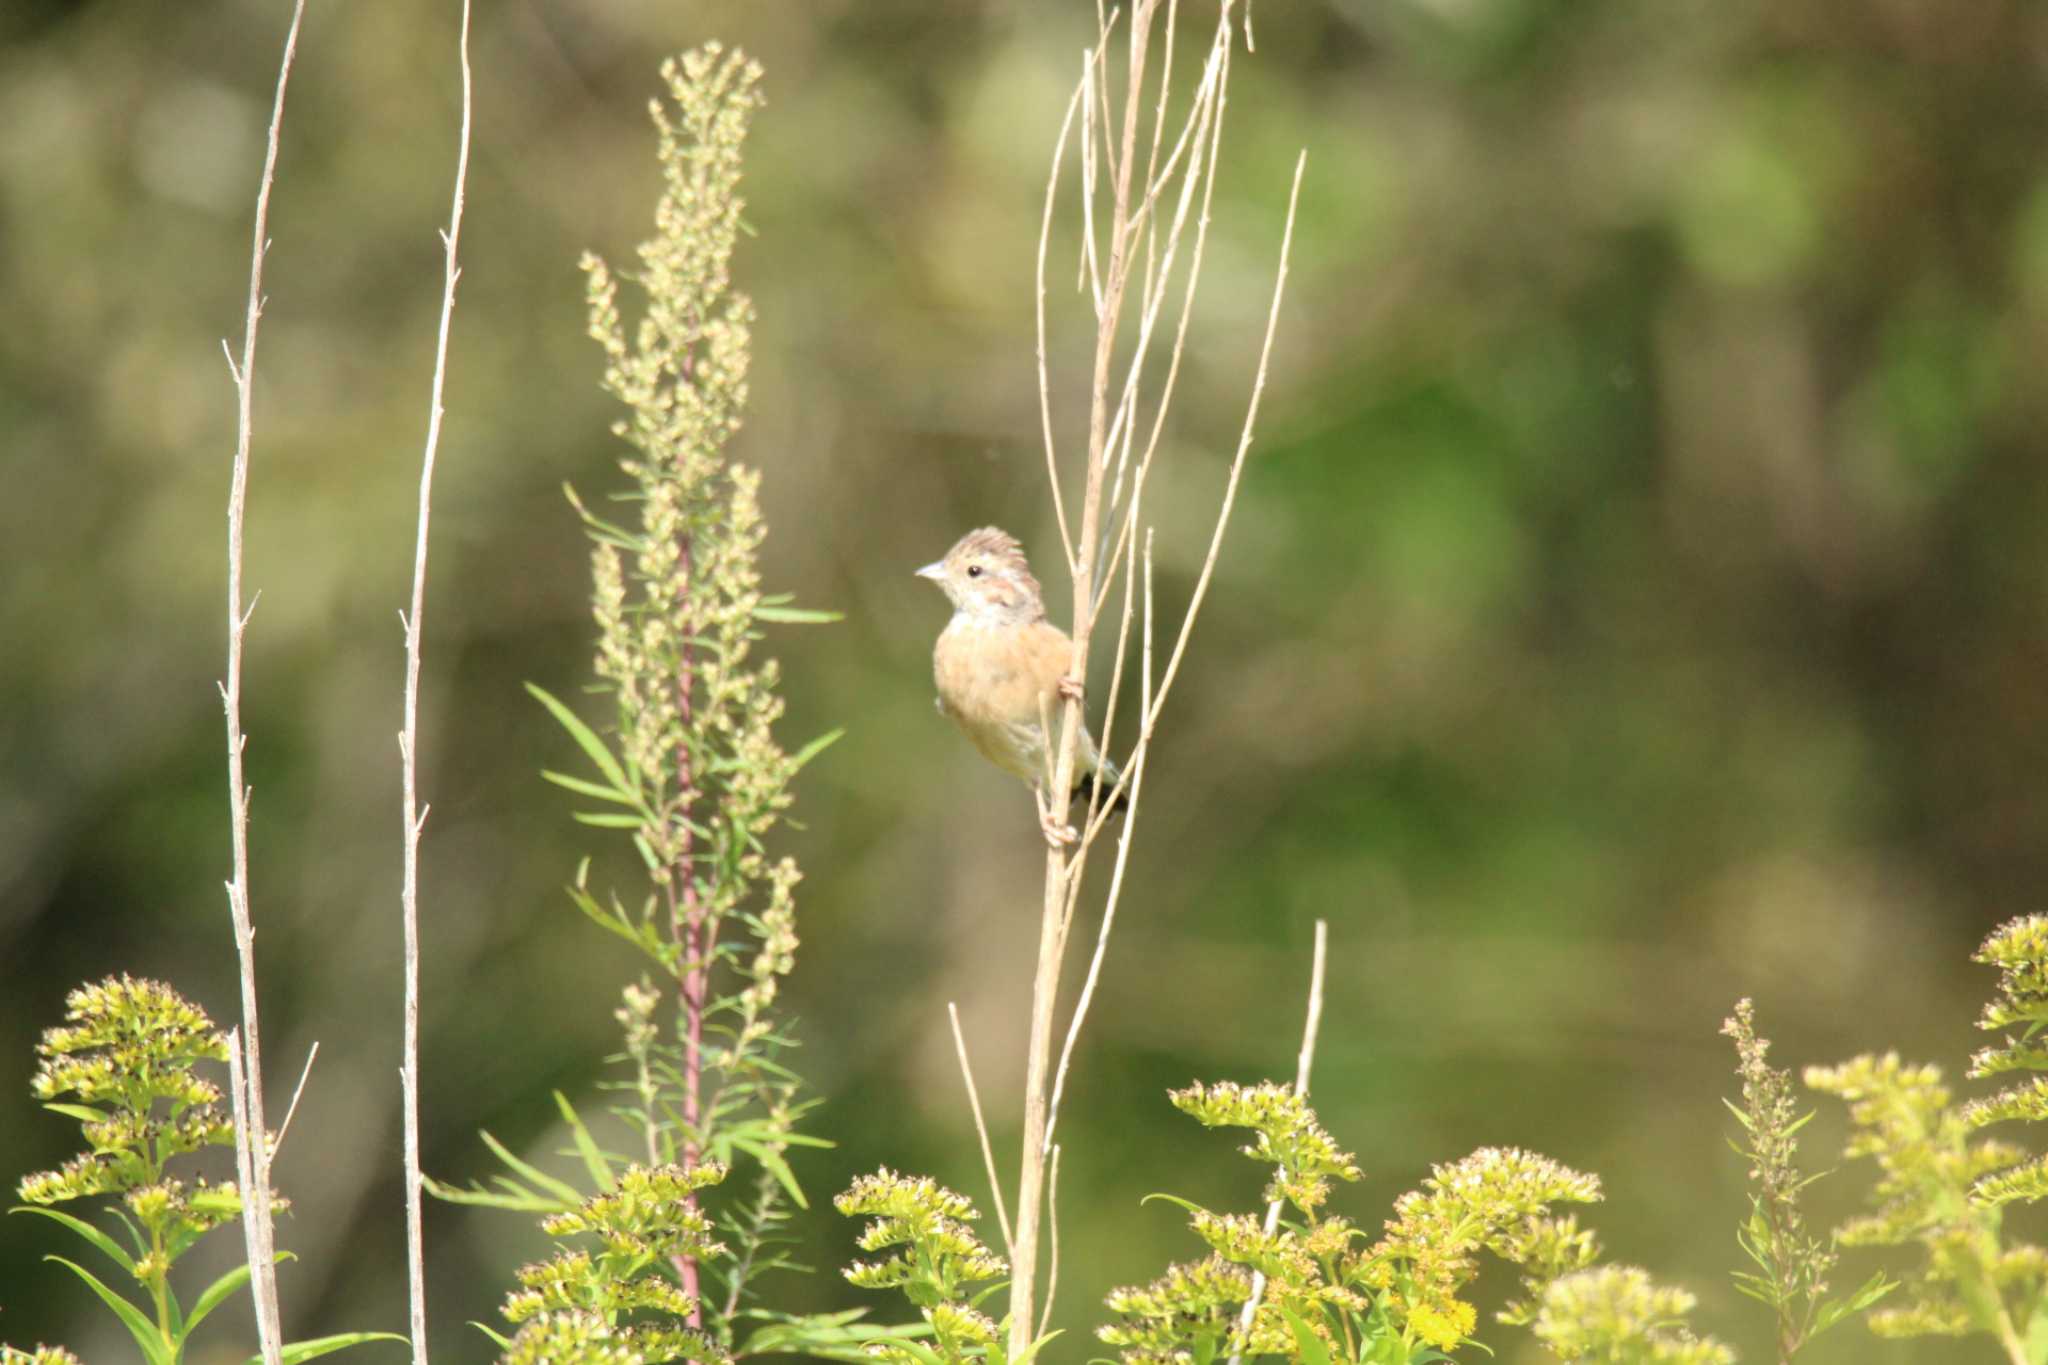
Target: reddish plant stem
686	922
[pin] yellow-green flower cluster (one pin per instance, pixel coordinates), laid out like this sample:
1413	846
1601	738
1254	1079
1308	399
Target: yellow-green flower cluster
581	1337
2020	952
1288	1136
1615	1315
940	1260
1482	1201
1903	1120
573	1279
1443	1326
940	1256
676	627
570	1306
123	1068
1545	1248
1937	1188
648	1215
1187	1311
2019	949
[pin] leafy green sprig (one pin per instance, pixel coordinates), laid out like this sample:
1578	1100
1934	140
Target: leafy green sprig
1792	1263
1310	1286
935	1260
123	1067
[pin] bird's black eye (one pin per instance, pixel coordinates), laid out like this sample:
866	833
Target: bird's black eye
974	570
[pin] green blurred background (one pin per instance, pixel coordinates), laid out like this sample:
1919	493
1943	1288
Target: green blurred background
1636	599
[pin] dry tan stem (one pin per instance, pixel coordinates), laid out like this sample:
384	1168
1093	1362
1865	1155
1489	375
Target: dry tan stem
1052	464
1202	133
1107	532
1052	936
1086	269
1205	127
1149	714
988	1155
1098	811
1116	876
408	741
1052	1222
1244	443
305	1073
252	1140
251	1150
1303	1062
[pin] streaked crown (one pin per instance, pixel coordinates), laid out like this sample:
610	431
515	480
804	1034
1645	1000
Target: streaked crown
986	574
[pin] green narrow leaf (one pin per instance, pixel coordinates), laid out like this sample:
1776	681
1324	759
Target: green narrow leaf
154	1348
606	820
626	539
314	1347
1024	1357
597	790
107	1245
520	1199
918	1351
84	1113
797	616
214	1294
503	1343
585	737
586	1146
817	746
772	1161
1308	1347
604	918
561	1189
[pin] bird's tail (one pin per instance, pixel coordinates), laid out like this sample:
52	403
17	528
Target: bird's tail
1107	776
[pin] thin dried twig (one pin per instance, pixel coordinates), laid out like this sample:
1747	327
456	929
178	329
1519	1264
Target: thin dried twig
408	738
1052	464
304	1073
1052	1223
252	1141
1104	540
988	1156
1303	1061
1116	879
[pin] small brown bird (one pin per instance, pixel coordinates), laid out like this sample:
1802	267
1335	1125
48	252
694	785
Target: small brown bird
1000	665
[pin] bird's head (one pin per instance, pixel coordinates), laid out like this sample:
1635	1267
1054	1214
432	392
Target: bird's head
986	577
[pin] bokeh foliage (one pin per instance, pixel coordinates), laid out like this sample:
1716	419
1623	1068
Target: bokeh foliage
1636	602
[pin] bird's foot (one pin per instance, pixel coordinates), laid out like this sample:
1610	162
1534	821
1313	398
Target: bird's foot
1056	834
1070	688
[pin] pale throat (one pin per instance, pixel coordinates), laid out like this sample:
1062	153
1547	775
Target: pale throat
1009	610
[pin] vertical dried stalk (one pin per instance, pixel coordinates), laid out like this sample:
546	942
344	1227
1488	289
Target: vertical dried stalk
408	742
988	1156
252	1141
1110	516
1302	1065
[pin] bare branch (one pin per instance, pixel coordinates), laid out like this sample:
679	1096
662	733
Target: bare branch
1244	444
1052	465
408	746
988	1156
298	1090
1303	1061
1052	1222
1103	542
1116	881
252	1146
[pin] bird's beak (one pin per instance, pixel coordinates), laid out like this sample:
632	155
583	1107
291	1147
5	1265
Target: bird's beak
934	571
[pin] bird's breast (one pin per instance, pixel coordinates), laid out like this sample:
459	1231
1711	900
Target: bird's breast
997	675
